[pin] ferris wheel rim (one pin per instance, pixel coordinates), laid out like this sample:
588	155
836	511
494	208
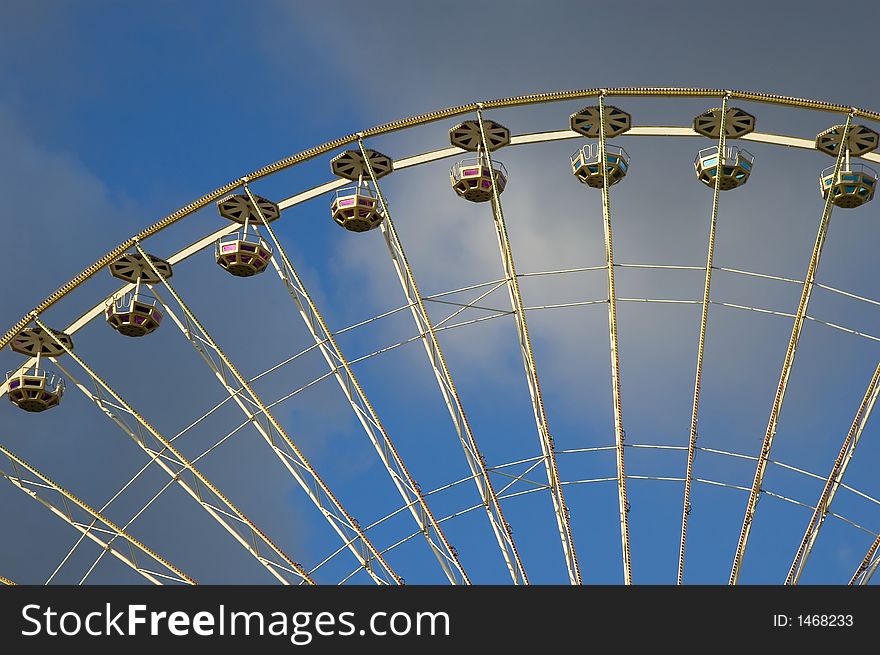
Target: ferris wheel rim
414	121
412	161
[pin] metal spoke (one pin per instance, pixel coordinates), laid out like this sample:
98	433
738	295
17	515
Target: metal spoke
292	457
869	564
200	487
786	366
64	512
704	318
619	434
475	460
406	486
835	478
563	520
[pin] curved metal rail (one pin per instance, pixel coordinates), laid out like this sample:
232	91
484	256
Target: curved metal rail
430	117
870	564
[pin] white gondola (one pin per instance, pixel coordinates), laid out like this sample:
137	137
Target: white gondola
34	389
852	187
133	314
357	208
472	180
243	254
586	167
734	168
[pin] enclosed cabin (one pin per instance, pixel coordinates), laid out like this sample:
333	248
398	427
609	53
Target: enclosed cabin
359	208
356	208
851	187
245	253
135	312
586	163
732	169
853	184
472	178
34	388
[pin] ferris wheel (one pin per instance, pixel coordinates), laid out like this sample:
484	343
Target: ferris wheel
510	514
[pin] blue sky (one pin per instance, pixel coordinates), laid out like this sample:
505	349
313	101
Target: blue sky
115	114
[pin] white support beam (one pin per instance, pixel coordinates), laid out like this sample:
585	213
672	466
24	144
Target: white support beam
428	336
65	513
869	565
788	362
835	479
341	369
279	441
619	434
704	319
548	449
175	464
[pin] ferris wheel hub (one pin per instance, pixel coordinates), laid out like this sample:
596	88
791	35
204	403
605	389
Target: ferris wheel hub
737	123
240	209
351	165
467	135
36	341
586	121
132	267
860	141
